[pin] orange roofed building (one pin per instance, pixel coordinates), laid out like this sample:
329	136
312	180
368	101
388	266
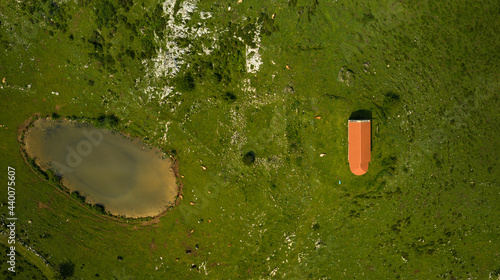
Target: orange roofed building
359	146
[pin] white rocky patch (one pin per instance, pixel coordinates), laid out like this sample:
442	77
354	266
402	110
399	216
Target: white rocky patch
203	267
171	56
187	9
318	244
166	131
253	58
289	240
205	15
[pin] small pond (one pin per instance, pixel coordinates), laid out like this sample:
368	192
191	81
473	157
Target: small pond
126	176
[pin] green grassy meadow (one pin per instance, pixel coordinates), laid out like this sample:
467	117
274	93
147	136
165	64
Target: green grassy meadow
265	204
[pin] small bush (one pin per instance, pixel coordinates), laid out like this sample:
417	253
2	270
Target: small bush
76	195
52	176
105	13
229	97
99	208
67	270
185	83
249	158
108	121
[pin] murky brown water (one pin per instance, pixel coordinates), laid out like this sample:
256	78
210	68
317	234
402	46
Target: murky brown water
127	177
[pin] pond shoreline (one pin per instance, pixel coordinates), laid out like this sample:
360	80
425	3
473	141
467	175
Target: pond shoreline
50	177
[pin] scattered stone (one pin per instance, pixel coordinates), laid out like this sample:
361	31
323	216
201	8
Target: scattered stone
289	89
4	80
192	202
288	67
188	251
322	155
318	117
366	65
346	76
203	167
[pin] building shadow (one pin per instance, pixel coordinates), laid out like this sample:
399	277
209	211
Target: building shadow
361	115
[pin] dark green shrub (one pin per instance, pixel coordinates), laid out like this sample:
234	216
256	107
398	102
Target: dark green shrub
249	158
126	4
391	99
229	97
108	121
99	208
76	195
67	270
105	12
52	177
130	53
185	83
